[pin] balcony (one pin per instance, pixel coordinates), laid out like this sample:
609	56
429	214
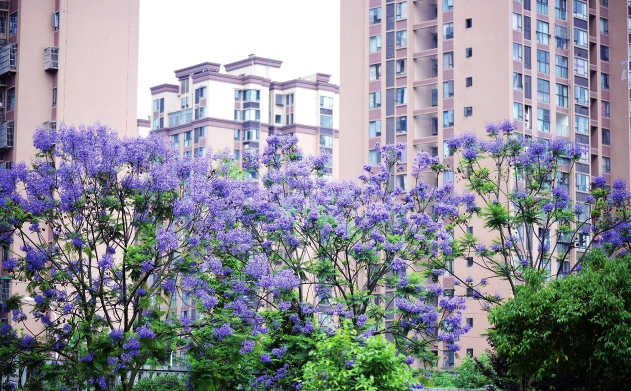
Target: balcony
426	67
6	134
426	96
51	58
180	117
8	58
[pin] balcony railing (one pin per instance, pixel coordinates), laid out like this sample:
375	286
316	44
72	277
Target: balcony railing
6	134
51	58
8	58
180	117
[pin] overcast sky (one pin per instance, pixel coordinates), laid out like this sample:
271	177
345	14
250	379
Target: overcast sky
304	34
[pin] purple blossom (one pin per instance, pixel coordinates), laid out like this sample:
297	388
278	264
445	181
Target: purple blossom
167	240
223	331
87	358
279	352
600	181
361	320
266	358
409	360
145	332
246	346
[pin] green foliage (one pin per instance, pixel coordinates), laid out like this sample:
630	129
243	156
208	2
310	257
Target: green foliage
467	375
345	362
572	333
158	383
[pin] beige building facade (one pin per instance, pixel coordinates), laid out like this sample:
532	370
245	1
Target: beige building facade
419	71
64	61
236	110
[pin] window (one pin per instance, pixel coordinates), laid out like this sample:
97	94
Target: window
448	89
374	15
248	95
581	95
604	53
562	95
402	96
517	52
326	102
326	121
158	105
468	52
543	120
237	133
200	132
582	182
543	91
400	67
468	23
402	124
402	181
604	26
184	85
604	81
448	359
448	31
527	25
580	9
250	134
543	61
517	20
448	60
10	99
402	38
185	102
604	3
606	137
326	141
188	138
469	81
200	93
289	119
200	112
448	119
518	111
527	59
175	139
581	124
374	128
560	9
375	72
561	66
401	10
518	82
54	22
374	157
542	7
580	37
470	321
289	99
13	23
561	36
278	119
251	115
54	96
580	67
605	109
468	111
448	5
374	100
374	44
543	32
606	165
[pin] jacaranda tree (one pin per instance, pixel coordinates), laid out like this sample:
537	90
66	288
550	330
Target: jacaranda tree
343	250
523	188
107	233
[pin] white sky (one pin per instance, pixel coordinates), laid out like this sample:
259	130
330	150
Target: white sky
303	34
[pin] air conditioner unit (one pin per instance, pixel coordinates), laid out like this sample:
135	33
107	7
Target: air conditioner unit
51	58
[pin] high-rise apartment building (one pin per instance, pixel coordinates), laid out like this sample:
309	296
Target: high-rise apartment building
237	110
64	61
419	71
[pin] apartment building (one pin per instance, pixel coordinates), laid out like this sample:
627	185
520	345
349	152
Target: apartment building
235	111
63	61
418	71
